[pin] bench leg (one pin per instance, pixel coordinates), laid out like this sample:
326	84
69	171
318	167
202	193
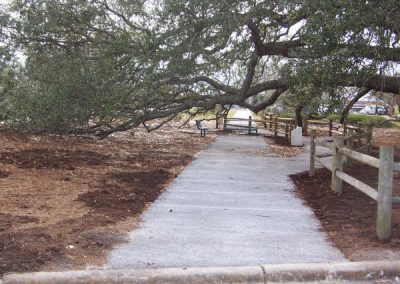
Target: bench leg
203	133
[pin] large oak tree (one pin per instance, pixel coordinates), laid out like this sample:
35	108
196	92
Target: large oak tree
109	65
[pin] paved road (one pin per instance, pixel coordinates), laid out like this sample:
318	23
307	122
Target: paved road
233	205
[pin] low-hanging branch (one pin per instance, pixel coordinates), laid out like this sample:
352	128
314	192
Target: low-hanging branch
296	48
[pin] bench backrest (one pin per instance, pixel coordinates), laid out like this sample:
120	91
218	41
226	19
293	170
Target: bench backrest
198	124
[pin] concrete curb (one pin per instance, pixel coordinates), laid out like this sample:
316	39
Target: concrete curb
353	271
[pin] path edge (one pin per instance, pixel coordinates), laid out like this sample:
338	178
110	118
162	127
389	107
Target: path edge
355	271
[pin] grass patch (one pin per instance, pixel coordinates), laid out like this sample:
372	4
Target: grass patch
376	120
395	124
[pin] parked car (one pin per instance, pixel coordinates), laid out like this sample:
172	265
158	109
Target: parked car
373	110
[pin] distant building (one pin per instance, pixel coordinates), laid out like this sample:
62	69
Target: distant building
368	101
358	106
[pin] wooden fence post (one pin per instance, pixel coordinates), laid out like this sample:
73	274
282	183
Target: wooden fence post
385	191
330	127
216	121
312	153
276	126
344	127
305	125
264	121
359	131
291	127
337	164
369	138
249	125
270	121
286	131
349	144
225	122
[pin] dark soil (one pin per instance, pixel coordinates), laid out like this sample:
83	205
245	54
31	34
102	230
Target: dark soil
52	158
65	201
3	174
126	193
27	250
8	220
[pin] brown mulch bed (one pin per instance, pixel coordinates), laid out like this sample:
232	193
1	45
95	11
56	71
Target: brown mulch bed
65	201
282	148
349	220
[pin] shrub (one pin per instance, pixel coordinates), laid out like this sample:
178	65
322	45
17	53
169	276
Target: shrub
375	120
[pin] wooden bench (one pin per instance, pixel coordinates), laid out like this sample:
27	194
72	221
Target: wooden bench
236	127
240	124
201	128
230	127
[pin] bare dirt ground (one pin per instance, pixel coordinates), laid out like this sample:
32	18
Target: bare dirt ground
349	220
65	201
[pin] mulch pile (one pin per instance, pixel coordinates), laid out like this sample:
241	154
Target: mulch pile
349	220
65	201
282	147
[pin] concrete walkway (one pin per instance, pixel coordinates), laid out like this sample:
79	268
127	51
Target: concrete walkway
232	206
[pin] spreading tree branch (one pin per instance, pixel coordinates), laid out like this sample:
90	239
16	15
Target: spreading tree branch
361	92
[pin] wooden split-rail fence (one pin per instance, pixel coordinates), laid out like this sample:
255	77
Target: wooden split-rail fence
284	126
340	151
332	127
278	125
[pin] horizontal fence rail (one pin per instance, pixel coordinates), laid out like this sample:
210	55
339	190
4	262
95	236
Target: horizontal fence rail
333	128
368	190
341	152
283	125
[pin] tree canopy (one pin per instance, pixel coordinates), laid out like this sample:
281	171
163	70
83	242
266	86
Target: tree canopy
102	66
